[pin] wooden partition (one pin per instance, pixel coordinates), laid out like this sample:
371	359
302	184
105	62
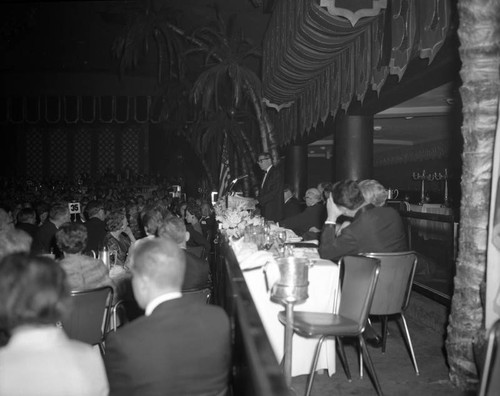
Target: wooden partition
255	371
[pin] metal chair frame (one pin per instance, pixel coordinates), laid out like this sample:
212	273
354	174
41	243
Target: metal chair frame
359	276
490	380
393	291
89	318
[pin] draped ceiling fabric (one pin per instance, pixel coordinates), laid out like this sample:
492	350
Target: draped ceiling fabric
320	54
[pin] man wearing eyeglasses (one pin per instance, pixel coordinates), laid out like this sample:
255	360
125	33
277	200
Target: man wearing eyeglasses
271	189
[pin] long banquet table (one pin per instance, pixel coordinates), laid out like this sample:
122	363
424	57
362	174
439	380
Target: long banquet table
323	297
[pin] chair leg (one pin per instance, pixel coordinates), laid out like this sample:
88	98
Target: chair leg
410	346
360	354
384	332
313	366
369	364
343	358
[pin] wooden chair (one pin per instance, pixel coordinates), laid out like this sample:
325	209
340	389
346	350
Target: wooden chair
358	284
88	320
393	290
490	380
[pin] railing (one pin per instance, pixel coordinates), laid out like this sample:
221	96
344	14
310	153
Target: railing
437	253
255	371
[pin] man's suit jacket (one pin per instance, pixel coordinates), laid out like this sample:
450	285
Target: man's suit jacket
312	216
45	241
374	229
29	228
96	231
271	195
196	276
292	207
183	348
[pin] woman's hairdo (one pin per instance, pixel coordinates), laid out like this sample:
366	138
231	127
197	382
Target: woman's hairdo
72	238
33	291
114	220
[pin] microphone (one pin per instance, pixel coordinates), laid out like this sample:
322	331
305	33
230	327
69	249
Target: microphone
239	178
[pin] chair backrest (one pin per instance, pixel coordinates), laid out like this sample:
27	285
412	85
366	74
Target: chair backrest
201	295
359	277
88	320
490	380
393	290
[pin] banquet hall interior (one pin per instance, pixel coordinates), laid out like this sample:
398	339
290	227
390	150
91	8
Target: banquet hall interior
148	93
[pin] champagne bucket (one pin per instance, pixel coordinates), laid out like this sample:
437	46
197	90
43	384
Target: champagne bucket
293	282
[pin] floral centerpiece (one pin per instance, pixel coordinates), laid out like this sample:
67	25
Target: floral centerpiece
233	220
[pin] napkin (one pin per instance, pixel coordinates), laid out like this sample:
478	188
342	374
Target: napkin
255	260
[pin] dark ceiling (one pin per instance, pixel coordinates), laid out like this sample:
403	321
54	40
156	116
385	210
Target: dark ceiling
77	36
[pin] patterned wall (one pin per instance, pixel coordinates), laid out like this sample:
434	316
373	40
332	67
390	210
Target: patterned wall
70	150
34	153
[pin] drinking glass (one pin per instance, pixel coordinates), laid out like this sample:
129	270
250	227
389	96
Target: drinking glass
281	239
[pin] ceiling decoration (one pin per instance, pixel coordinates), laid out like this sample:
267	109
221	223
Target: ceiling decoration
315	62
75	109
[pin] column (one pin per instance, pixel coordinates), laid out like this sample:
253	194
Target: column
353	147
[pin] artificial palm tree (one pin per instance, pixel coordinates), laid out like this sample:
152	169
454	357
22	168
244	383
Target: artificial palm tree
214	129
479	34
226	51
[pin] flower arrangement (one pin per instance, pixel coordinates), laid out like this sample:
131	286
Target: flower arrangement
234	220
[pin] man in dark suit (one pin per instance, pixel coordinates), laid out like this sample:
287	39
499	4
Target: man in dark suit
311	220
373	229
196	274
96	228
44	241
180	346
291	206
271	189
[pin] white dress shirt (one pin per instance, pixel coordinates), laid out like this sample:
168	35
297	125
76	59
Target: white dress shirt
160	299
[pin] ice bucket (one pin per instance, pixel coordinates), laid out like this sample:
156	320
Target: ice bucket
293	282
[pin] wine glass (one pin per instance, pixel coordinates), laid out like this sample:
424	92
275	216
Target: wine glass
281	239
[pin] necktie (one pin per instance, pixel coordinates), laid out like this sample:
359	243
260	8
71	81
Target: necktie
263	180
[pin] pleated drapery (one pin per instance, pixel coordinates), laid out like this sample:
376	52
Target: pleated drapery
316	62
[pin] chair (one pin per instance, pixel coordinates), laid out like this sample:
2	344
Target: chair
393	290
490	380
358	284
203	295
88	320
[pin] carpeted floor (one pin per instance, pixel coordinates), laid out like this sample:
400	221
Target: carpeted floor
394	368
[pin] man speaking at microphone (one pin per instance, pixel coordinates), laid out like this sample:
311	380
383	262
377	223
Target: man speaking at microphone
271	189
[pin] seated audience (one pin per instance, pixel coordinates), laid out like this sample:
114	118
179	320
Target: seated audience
95	225
180	346
26	221
192	217
39	359
325	188
42	212
44	241
82	272
373	192
307	223
12	240
207	221
197	270
292	206
373	229
119	236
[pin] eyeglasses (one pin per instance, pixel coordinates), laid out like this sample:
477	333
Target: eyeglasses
263	159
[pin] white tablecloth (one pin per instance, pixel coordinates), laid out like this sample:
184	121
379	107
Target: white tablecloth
323	287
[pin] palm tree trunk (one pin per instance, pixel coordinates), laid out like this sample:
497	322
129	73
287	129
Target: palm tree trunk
266	132
480	54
